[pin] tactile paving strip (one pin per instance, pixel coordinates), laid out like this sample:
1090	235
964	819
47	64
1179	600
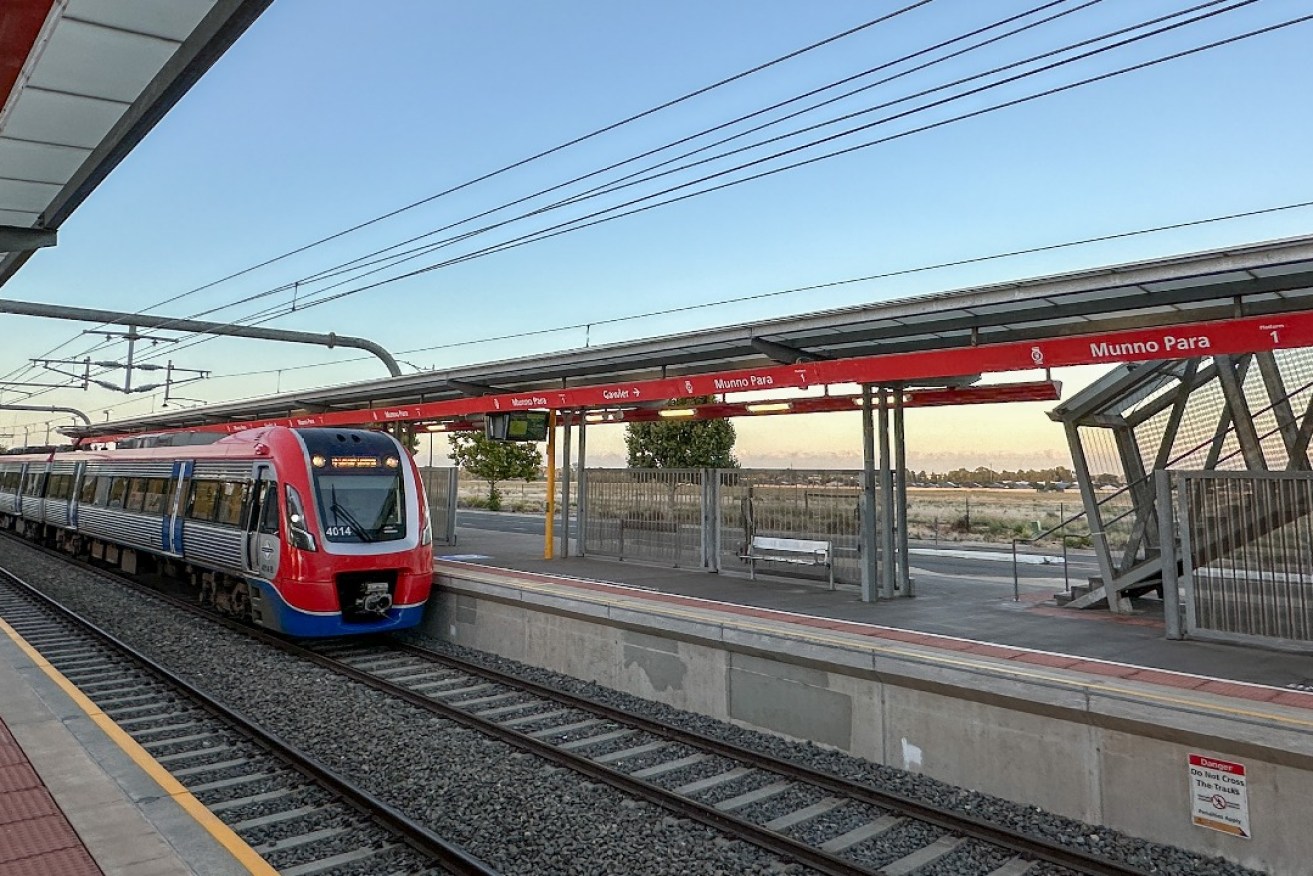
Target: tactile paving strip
35	837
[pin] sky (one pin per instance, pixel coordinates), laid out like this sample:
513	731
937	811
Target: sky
328	113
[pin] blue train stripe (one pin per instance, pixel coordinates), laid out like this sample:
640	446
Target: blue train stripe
284	618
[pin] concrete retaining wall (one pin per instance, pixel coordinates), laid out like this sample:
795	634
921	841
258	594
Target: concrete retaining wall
1098	749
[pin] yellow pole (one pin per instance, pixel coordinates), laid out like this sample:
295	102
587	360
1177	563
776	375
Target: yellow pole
548	538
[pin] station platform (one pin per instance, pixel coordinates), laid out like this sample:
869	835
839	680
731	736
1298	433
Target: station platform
969	606
77	796
1089	715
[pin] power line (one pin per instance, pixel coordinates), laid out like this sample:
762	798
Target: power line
637	205
581	222
576	224
1103	238
539	155
760	296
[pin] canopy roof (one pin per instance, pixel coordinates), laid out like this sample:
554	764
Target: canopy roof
1269	278
81	83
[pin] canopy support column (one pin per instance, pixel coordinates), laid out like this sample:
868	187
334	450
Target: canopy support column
867	545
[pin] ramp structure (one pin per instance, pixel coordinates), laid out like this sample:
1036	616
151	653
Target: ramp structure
1248	413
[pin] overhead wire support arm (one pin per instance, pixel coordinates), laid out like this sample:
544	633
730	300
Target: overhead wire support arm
48	410
134	320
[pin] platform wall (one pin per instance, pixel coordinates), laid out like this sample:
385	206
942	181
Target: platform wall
1101	753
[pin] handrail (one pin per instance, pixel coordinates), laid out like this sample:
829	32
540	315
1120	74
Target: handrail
1102	533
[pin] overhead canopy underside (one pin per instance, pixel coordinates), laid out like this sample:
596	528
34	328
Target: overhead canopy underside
1257	280
81	83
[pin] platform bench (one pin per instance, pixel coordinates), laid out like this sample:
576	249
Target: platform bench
800	551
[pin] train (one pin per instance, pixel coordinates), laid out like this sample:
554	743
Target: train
309	532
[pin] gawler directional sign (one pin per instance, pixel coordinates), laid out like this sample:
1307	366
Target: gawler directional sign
1223	337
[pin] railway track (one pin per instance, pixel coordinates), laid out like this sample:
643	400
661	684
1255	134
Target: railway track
825	822
298	816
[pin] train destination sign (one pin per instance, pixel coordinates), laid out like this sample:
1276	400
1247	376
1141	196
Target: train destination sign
1222	337
1219	795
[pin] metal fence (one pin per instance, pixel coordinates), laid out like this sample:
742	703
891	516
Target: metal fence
1245	542
706	518
440	487
789	503
654	515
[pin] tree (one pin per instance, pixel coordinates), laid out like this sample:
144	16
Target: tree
495	461
681	443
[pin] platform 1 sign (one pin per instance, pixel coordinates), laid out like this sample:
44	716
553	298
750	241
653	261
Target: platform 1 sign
1219	797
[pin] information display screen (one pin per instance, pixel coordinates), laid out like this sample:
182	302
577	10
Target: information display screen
516	426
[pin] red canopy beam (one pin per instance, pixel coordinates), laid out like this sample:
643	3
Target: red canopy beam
1184	341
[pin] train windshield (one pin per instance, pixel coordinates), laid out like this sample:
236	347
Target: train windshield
361	506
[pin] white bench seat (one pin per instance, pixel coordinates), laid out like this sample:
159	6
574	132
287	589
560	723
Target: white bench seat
800	551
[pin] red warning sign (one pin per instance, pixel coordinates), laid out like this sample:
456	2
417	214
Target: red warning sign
1219	796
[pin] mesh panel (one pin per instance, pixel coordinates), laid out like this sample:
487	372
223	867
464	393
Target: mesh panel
645	514
791	503
1249	569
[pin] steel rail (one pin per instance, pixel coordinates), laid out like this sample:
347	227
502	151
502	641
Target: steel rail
824	862
970	826
821	861
417	836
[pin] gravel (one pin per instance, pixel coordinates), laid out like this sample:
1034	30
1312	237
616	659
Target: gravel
511	811
525	817
1116	846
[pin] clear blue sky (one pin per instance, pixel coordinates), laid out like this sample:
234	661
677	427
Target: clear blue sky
327	113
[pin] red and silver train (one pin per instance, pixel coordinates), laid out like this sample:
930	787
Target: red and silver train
311	532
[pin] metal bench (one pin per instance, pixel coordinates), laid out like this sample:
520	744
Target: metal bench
799	551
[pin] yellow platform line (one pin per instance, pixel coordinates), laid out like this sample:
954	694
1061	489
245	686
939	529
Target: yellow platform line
174	789
925	654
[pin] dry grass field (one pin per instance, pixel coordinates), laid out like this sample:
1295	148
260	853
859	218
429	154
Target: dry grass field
946	514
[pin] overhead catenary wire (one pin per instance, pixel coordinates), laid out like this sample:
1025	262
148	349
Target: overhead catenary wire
280	310
829	284
533	237
647	202
615	185
881	19
544	233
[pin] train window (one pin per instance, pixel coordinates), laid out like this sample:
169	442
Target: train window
118	491
60	487
136	494
102	490
269	510
87	495
204	500
156	496
33	486
232	498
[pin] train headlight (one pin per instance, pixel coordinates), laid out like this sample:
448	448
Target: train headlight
426	534
318	460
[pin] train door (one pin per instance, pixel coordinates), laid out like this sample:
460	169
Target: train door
262	525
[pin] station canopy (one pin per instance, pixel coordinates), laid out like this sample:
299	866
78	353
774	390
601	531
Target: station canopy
81	83
1242	299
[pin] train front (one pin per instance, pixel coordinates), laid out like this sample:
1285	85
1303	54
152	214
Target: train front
359	551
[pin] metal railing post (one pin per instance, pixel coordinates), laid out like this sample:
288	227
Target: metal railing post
1016	581
1167	555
